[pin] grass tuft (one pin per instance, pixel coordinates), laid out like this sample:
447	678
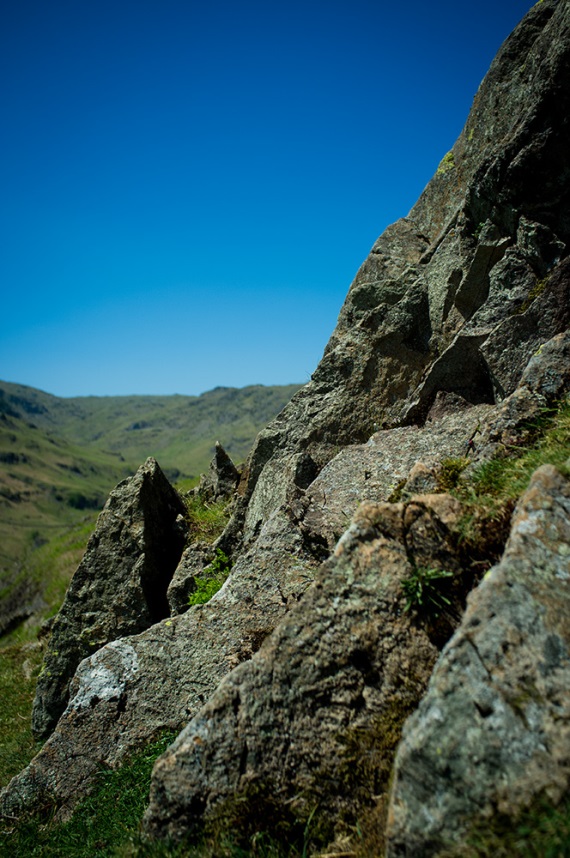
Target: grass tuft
206	520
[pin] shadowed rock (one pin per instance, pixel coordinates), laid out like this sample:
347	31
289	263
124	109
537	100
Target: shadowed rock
119	587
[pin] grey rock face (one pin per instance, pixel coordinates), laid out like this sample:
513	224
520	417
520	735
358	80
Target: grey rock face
458	295
379	469
222	478
314	717
129	691
120	585
493	730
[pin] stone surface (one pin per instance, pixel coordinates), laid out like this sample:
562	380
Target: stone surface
458	295
379	469
493	731
131	690
222	478
331	684
119	588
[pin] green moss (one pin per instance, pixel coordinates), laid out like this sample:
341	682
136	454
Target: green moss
541	831
450	471
536	290
446	164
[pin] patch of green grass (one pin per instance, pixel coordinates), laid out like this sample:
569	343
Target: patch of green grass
506	477
206	520
106	823
213	579
423	590
19	667
48	569
541	831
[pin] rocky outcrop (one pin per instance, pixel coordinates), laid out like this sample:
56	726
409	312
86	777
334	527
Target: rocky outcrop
453	336
346	665
222	479
120	585
134	688
493	730
458	295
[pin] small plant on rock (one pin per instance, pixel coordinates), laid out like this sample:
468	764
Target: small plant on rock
214	577
423	590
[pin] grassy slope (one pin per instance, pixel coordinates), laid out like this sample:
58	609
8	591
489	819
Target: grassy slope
59	459
180	431
47	488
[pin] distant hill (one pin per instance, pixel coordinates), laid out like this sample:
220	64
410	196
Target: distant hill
59	458
180	431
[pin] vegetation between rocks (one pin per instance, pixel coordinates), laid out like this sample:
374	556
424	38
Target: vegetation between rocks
213	579
206	519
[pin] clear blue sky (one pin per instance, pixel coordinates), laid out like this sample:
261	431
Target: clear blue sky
188	189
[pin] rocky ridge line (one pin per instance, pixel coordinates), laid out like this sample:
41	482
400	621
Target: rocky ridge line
453	335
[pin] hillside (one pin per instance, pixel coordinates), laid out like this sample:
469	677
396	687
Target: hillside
180	431
59	458
369	653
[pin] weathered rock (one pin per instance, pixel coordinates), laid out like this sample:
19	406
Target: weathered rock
379	469
493	731
222	479
313	719
544	383
134	688
119	587
458	295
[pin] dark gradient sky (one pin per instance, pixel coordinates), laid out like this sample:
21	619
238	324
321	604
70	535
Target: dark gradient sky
188	189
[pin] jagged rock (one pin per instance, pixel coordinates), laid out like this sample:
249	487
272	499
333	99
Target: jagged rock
119	588
132	689
222	479
458	295
313	719
493	730
545	381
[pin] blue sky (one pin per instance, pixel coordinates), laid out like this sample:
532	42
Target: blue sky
189	188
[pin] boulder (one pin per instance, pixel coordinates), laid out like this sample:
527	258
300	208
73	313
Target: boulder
120	586
493	731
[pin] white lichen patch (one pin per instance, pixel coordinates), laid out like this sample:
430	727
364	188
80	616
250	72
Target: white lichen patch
104	675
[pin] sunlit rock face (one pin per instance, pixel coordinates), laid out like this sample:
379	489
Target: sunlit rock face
292	684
